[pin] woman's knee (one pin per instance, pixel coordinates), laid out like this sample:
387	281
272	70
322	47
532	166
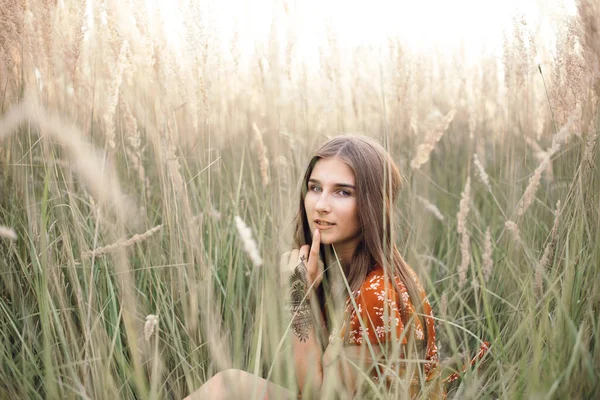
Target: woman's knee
226	378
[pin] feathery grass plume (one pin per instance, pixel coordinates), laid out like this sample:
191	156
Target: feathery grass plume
122	243
481	171
540	155
431	207
572	126
548	256
250	245
7	233
532	186
150	326
437	125
570	72
213	213
588	11
462	230
514	229
488	263
261	149
101	179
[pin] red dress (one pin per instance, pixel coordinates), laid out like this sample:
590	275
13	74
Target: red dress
378	305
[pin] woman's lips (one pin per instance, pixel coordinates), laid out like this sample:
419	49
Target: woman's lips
322	226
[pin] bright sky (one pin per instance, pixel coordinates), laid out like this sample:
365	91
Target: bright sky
421	24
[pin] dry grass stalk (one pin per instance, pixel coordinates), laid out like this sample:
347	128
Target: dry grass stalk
444	304
7	233
548	256
250	245
122	243
150	326
173	167
431	208
462	230
488	263
261	150
437	125
138	166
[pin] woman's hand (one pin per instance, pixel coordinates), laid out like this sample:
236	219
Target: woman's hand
302	272
303	264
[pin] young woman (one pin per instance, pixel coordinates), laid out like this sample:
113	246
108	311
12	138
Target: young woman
358	310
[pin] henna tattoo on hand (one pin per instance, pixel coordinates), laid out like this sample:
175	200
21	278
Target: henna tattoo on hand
303	258
299	306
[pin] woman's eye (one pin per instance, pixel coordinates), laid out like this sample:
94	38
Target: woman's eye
314	188
345	193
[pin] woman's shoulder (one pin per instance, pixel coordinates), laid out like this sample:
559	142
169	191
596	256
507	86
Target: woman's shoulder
377	275
378	285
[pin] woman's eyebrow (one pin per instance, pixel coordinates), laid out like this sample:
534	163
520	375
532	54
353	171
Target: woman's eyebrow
344	185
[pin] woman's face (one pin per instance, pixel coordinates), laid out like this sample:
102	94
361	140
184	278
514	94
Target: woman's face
330	204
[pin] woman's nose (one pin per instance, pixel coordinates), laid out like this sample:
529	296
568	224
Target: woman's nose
322	204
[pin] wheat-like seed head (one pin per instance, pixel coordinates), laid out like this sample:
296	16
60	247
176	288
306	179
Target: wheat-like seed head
137	238
514	229
482	174
532	186
464	207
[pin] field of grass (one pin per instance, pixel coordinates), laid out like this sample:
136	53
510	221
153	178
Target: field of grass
126	156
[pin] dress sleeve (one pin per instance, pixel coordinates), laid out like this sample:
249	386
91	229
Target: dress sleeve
377	315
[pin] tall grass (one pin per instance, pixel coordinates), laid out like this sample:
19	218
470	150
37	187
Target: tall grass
128	163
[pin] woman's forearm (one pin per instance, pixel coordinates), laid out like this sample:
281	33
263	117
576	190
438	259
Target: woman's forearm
308	353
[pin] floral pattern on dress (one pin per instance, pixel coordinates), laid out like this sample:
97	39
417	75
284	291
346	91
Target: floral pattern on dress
378	307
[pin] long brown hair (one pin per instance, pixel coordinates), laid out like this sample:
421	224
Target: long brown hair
378	181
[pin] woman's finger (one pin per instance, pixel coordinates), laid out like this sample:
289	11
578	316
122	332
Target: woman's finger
313	257
316	246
